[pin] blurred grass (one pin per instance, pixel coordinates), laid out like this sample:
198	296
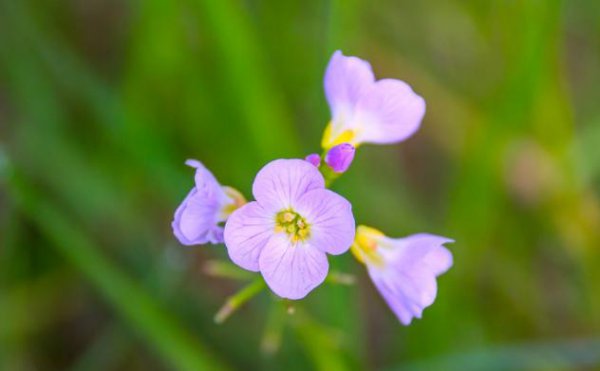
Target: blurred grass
101	102
153	322
578	354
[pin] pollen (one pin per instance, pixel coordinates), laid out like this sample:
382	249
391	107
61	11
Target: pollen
293	224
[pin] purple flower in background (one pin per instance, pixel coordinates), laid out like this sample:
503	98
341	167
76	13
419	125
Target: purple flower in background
287	232
368	111
340	157
198	218
404	270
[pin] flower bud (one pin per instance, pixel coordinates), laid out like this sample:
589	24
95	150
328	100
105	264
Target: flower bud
340	157
314	159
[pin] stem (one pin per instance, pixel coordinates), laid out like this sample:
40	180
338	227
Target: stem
217	268
328	174
341	278
238	299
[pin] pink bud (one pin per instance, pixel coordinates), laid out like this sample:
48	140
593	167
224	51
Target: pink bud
340	157
314	159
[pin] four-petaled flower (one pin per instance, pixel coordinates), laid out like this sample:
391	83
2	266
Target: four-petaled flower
367	111
404	270
287	232
295	221
199	217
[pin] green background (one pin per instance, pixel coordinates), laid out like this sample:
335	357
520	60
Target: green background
101	102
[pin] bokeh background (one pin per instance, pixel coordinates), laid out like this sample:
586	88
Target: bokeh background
101	102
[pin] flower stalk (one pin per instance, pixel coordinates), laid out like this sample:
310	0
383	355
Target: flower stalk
222	269
328	174
238	299
340	278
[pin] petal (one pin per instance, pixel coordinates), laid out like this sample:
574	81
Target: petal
388	112
330	218
280	183
399	294
292	270
425	250
195	220
246	232
346	78
407	282
206	183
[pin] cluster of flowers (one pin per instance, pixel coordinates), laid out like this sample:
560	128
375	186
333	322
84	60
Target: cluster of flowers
295	221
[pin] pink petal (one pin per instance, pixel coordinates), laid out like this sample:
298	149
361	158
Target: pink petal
280	183
407	282
346	79
423	249
292	270
330	218
206	183
406	295
246	233
388	112
195	221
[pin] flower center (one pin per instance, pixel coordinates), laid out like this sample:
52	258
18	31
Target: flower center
366	244
237	200
293	224
331	138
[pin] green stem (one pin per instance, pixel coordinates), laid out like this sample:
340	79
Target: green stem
222	269
238	299
328	173
340	278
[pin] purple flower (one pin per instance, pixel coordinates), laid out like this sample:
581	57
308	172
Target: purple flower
287	232
198	218
314	159
340	157
368	111
404	270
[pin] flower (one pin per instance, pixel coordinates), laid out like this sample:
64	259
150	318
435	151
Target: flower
198	218
287	232
339	158
404	270
367	111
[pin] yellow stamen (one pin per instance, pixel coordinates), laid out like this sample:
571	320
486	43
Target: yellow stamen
366	244
293	224
237	200
328	141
